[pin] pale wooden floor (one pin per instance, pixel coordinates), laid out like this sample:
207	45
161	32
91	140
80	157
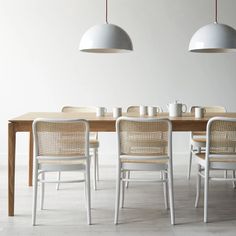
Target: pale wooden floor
144	212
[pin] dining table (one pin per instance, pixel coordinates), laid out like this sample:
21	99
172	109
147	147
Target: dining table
23	123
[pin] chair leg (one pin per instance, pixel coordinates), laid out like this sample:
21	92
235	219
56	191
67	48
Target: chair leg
97	166
190	162
225	174
42	191
206	189
117	203
171	194
85	187
123	189
58	179
88	193
94	169
165	189
198	185
234	182
35	191
128	177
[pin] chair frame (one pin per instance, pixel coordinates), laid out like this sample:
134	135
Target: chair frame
211	165
55	168
197	147
165	169
136	110
94	149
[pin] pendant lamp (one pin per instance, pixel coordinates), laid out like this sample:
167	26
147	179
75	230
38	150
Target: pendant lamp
105	38
214	37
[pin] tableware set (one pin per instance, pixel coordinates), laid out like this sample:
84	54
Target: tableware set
175	109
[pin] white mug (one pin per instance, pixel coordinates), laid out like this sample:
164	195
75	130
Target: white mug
142	110
101	111
117	112
176	109
199	112
152	111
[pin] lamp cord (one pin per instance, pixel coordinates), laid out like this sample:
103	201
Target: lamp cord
216	11
107	11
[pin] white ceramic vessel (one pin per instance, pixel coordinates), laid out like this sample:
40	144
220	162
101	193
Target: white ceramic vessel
199	112
152	111
142	110
117	112
176	109
101	111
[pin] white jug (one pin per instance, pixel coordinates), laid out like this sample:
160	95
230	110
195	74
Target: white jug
176	109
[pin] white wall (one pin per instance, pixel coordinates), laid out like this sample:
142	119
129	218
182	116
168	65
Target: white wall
41	68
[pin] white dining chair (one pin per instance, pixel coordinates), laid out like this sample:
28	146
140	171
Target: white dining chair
220	155
144	144
135	111
93	142
60	145
198	139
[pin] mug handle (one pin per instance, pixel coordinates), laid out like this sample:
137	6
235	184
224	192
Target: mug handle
159	109
184	105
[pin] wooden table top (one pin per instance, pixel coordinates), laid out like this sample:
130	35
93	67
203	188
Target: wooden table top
29	117
107	123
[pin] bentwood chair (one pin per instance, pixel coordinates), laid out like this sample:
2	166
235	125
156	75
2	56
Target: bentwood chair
135	110
220	155
93	142
60	145
198	139
144	144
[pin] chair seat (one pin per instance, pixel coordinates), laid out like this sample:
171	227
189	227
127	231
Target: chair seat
62	162
144	161
202	156
93	143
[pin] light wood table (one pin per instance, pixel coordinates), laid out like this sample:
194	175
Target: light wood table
102	124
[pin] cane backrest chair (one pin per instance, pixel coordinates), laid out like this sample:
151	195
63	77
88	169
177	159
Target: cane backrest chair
93	135
220	155
93	140
198	138
144	144
60	145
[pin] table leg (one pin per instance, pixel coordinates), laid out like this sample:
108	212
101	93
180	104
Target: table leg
11	167
31	149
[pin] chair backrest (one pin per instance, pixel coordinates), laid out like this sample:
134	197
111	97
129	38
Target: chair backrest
93	135
221	137
135	109
144	136
210	109
79	109
61	138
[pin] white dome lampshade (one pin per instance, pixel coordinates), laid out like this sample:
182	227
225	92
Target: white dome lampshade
105	38
214	38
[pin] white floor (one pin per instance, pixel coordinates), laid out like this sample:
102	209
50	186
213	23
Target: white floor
144	212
